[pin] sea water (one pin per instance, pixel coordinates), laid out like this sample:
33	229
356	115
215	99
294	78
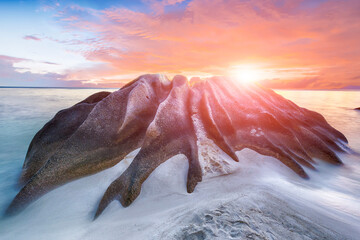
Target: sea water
66	212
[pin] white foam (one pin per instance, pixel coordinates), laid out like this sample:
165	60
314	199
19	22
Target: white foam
164	207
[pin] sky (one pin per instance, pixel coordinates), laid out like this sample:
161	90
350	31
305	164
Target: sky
294	44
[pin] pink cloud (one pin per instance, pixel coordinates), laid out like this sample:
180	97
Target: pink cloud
16	60
210	36
29	37
10	59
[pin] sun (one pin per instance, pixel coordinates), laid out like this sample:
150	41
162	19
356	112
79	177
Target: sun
247	75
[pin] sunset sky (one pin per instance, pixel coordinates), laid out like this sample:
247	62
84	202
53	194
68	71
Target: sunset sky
309	44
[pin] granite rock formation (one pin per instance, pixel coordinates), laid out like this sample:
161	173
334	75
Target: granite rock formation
162	118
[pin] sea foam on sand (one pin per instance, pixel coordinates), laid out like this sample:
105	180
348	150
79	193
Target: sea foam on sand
258	198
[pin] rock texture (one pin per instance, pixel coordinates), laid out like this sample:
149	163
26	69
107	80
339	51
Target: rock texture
55	133
162	118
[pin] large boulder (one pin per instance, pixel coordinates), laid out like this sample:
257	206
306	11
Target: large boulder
164	118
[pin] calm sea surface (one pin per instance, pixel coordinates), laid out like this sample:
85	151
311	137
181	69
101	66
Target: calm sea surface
23	111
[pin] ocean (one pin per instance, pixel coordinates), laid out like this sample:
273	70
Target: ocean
332	194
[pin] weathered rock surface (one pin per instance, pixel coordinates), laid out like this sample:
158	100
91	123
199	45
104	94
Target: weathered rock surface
55	133
160	117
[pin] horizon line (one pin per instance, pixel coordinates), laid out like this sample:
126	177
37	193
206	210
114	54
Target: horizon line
288	89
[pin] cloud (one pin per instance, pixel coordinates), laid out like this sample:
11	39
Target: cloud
158	7
298	44
9	59
17	60
209	37
29	37
294	84
11	76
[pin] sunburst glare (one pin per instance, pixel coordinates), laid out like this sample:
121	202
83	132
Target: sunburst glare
247	74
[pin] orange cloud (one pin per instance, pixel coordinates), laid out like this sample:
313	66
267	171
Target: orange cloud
299	44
